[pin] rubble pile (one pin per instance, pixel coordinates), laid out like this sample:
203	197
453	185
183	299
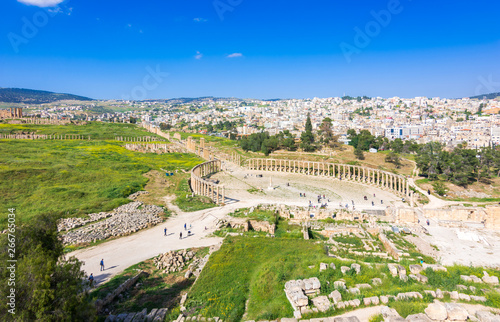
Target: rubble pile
124	220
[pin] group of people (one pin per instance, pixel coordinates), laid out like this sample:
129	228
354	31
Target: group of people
180	234
91	277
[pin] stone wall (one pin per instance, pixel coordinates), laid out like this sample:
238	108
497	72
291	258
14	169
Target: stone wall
390	247
301	214
100	304
402	215
262	226
465	214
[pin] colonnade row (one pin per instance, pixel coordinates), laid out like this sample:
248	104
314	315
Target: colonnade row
207	153
138	139
383	179
44	137
203	187
156	130
150	147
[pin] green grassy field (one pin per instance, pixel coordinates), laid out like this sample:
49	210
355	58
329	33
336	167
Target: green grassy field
96	130
255	269
70	178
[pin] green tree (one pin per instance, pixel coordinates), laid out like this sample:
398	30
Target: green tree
307	137
48	286
358	153
440	188
165	127
394	159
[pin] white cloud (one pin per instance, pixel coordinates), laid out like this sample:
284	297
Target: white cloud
200	20
198	55
66	11
234	55
41	3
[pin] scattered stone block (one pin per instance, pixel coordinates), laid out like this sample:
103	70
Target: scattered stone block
322	267
431	293
413	276
408	295
461	287
478	298
129	317
475	279
464	297
465	278
439	294
339	285
416	269
422	278
384	299
322	303
454	295
346	319
356	267
490	279
436	311
335	296
354	290
393	269
305	310
403	277
387	312
340	305
332	266
376	281
472	288
456	312
362	286
418	318
344	269
484	316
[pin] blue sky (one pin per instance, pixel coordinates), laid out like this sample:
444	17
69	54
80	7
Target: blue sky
251	48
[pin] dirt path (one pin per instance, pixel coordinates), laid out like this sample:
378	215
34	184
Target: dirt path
434	202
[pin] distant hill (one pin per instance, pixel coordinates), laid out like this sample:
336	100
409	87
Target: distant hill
31	96
489	96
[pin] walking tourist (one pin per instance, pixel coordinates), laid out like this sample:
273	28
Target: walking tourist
102	264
